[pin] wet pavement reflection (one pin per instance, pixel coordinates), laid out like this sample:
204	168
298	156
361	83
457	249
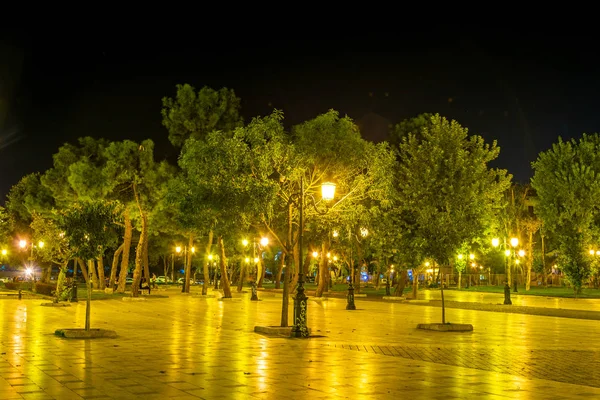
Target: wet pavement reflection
186	347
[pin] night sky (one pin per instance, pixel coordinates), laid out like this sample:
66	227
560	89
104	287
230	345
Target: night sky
524	91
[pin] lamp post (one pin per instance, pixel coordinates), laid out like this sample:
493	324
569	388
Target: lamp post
510	253
263	242
300	328
23	245
186	270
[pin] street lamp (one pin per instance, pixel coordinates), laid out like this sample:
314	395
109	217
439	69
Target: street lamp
300	328
508	252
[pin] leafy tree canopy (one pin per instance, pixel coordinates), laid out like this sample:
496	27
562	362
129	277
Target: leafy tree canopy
192	114
445	187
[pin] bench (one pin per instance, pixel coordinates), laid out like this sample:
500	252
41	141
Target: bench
144	287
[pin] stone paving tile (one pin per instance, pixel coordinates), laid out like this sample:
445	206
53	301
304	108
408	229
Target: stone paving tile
219	354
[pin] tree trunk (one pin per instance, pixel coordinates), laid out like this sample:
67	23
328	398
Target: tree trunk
92	273
188	264
88	302
172	268
74	269
360	255
544	272
139	256
165	267
285	300
459	279
443	303
242	277
146	262
286	296
46	273
260	271
399	289
126	250
83	269
60	282
113	268
207	252
529	261
101	280
279	271
224	276
322	283
415	287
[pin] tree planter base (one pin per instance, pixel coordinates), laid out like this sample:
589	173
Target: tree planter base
394	298
204	296
134	298
230	299
55	305
283	331
446	327
83	334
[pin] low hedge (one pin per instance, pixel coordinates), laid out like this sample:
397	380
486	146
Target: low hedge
46	289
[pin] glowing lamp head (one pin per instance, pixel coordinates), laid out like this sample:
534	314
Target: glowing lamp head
495	242
247	260
507	253
264	241
514	242
256	260
4	252
472	256
460	256
210	256
245	242
427	264
193	249
315	254
29	271
41	244
521	253
592	252
22	244
178	249
336	234
328	191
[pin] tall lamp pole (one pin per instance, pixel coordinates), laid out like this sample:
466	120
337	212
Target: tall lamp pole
300	328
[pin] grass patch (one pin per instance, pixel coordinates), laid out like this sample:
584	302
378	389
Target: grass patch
537	291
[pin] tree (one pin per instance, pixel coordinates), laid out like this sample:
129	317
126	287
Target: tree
56	248
446	186
132	175
409	126
89	229
6	226
194	115
567	184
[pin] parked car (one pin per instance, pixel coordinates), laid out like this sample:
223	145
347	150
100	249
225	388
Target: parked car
163	279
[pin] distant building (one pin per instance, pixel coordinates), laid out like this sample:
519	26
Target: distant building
374	127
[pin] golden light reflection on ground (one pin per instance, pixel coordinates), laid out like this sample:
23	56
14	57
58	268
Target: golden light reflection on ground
187	347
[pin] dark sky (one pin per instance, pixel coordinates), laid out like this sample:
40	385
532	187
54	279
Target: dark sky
524	91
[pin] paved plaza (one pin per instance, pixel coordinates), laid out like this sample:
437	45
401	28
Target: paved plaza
186	347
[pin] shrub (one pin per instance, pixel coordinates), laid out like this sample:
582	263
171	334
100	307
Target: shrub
46	289
12	285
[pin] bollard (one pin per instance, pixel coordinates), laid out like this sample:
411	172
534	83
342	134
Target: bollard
254	292
19	294
350	297
507	294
